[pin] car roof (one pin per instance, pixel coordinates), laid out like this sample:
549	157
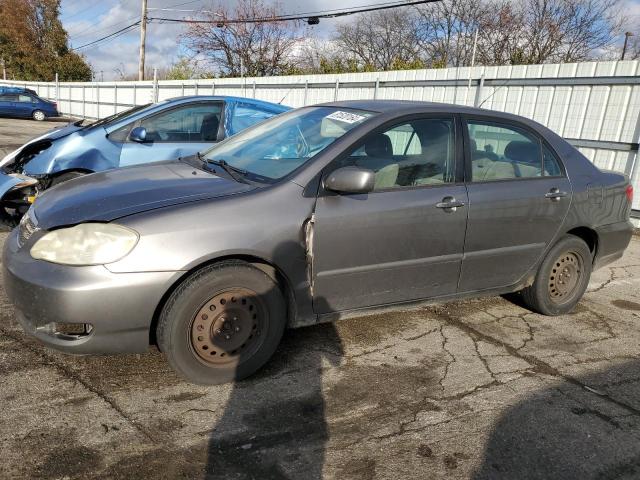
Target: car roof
402	107
408	106
230	98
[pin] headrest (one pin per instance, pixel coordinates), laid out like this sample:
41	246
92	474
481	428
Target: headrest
209	127
432	132
379	146
523	152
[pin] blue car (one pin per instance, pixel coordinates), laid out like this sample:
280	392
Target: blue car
24	103
167	130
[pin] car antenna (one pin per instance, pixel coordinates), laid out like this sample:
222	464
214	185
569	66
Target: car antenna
287	94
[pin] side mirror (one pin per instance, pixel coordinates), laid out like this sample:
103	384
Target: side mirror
138	134
350	180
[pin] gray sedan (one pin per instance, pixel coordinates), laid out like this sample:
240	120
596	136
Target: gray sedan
320	213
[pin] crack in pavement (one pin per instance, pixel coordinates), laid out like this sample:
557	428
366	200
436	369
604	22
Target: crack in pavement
538	366
72	375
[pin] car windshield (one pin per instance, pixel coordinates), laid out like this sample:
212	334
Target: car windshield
278	146
115	117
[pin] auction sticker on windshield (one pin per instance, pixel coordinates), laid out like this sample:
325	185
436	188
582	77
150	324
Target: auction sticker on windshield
346	117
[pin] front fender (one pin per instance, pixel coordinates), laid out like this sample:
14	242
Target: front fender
75	152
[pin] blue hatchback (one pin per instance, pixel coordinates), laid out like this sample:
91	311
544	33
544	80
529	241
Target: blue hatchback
24	103
173	128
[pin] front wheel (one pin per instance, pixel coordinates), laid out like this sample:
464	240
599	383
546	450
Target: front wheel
222	323
38	115
562	278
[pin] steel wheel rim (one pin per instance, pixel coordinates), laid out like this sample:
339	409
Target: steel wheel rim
564	277
39	116
228	327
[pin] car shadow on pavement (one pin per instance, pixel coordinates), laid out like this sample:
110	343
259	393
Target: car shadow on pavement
586	427
274	425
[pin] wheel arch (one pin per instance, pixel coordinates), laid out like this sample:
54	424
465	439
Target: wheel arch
263	264
589	236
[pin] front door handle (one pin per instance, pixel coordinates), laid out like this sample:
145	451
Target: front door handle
555	194
449	204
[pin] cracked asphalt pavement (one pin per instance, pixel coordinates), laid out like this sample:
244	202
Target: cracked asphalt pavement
478	389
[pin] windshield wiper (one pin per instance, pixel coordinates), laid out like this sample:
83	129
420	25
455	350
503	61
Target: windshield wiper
234	172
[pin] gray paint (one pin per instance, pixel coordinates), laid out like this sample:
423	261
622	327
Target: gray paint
336	253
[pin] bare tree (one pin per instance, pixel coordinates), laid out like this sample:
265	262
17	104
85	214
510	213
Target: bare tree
446	30
500	30
380	40
568	30
260	47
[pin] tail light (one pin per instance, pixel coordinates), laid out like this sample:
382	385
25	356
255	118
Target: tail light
629	193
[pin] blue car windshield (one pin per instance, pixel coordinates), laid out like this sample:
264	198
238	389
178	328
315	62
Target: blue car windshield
116	117
276	147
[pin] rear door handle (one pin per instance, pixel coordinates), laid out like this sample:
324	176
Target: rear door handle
555	194
449	204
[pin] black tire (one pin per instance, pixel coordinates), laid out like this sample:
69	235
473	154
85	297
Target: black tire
562	278
38	115
205	328
63	177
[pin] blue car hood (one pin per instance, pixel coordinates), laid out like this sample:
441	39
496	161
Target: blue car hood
56	133
116	193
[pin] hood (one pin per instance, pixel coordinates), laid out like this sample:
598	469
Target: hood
53	134
108	195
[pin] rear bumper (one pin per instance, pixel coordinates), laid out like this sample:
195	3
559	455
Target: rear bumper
613	239
118	306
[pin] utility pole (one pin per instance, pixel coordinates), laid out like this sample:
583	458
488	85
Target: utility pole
143	37
626	41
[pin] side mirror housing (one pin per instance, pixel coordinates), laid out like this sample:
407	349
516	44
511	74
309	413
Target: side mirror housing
350	180
138	134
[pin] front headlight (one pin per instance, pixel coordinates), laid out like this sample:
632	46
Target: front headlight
86	244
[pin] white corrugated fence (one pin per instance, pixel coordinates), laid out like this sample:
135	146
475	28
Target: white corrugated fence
595	105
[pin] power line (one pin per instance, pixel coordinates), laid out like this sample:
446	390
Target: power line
301	16
81	33
122	31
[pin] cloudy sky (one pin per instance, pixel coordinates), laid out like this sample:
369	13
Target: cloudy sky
89	21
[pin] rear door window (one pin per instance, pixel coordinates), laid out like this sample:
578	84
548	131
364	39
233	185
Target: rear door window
503	152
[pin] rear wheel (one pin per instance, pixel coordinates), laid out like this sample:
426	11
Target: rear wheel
222	323
562	278
38	115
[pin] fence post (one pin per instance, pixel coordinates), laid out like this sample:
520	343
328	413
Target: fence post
335	92
155	85
97	91
57	89
83	103
375	91
115	98
196	88
182	89
306	91
476	101
134	94
254	89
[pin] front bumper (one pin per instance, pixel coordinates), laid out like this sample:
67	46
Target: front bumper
613	239
119	306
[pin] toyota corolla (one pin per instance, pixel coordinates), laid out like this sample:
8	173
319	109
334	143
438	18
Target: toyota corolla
320	213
